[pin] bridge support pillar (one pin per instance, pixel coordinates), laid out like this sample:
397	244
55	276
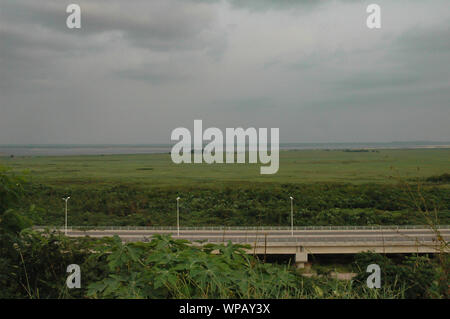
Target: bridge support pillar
301	257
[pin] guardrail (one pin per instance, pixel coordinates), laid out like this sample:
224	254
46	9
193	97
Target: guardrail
254	228
262	240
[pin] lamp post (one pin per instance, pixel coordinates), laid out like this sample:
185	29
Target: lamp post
178	216
292	215
65	224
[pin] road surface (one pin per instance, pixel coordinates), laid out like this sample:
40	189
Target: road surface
299	236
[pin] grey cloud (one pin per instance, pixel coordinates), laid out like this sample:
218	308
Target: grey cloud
376	80
427	39
159	25
136	71
264	5
253	104
34	36
156	74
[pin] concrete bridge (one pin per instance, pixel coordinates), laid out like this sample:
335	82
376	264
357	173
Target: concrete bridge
300	242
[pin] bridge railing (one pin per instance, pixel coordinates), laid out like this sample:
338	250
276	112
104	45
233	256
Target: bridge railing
262	240
248	228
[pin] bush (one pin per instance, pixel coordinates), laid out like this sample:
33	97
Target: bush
444	178
415	275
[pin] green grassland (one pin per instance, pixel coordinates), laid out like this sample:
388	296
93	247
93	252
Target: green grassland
308	166
329	187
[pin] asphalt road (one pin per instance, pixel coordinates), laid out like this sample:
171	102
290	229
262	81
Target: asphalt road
401	235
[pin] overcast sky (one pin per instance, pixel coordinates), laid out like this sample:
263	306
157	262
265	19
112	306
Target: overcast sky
136	70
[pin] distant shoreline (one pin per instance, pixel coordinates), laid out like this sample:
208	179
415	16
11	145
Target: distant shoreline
128	149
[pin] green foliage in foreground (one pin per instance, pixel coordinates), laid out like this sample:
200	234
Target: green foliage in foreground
10	189
416	275
168	268
171	268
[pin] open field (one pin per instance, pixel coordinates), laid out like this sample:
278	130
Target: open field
329	187
306	166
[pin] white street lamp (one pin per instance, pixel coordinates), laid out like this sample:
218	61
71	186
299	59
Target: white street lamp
65	224
292	215
178	216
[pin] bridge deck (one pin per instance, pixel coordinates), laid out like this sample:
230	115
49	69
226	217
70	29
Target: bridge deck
299	243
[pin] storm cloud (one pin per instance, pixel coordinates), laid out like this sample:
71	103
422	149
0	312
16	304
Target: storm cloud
137	70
